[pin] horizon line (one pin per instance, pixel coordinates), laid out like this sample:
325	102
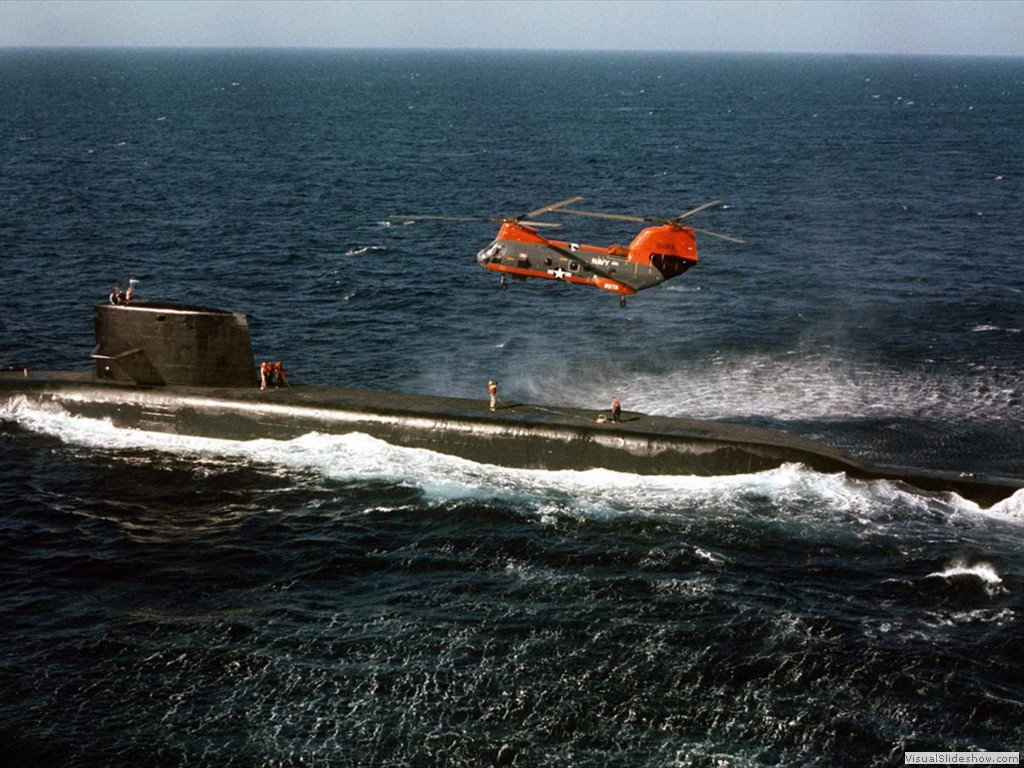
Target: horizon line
481	49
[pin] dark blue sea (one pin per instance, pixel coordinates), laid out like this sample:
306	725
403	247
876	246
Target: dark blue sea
337	601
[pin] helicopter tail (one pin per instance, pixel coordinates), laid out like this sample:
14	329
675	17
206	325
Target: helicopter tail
671	249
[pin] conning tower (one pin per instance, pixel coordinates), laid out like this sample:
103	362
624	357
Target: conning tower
158	344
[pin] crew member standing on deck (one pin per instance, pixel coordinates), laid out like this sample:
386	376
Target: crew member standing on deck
280	379
492	390
616	411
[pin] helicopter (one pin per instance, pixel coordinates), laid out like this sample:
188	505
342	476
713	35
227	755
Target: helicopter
661	251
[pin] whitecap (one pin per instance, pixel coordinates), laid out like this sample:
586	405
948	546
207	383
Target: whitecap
1013	506
981	570
360	250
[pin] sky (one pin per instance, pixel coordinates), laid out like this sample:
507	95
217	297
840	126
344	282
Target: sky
957	27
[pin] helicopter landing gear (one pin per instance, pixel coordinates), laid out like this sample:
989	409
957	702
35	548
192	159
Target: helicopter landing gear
622	302
503	285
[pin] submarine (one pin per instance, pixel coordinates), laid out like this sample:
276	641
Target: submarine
189	370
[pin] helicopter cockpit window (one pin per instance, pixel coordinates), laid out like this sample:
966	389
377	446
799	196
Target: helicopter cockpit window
493	252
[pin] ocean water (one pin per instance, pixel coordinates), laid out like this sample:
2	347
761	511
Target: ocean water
336	601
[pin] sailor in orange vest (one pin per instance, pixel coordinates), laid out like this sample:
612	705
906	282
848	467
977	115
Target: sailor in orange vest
265	370
616	411
492	390
279	376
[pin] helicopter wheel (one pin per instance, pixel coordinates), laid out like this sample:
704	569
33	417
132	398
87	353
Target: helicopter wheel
622	302
503	285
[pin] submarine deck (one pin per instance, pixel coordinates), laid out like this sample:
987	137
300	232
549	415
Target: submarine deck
515	434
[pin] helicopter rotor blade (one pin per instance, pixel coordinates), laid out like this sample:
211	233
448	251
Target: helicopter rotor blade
431	217
719	235
552	207
560	207
600	215
537	224
521	219
698	209
436	218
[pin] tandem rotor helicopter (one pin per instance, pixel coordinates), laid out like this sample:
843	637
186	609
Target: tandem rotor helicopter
658	253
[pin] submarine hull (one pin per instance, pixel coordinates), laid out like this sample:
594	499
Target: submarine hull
523	436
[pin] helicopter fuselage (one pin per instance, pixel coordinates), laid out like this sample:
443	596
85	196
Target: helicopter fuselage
656	254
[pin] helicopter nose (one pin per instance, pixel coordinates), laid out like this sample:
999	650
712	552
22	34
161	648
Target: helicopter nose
488	253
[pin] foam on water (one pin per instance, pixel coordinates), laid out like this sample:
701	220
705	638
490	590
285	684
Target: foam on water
803	494
362	250
1013	506
982	571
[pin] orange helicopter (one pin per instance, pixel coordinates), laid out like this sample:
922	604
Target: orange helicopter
658	253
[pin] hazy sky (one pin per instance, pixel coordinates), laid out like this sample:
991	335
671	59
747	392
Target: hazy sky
974	27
